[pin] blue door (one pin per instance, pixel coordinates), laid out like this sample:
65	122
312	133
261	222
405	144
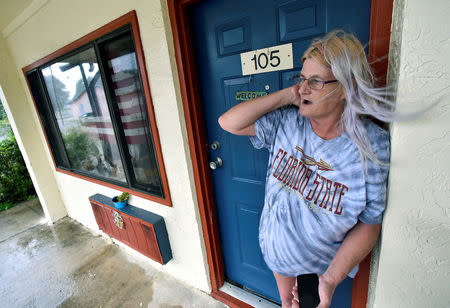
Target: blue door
222	30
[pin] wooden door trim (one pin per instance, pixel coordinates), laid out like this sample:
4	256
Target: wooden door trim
179	13
187	74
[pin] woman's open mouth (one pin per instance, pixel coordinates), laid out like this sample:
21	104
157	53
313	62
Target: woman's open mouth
306	102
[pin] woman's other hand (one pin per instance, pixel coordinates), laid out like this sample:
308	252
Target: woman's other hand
326	291
295	300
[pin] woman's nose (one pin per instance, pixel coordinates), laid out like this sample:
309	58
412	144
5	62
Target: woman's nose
304	88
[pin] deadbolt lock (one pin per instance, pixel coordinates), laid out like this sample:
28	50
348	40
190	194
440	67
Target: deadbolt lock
215	145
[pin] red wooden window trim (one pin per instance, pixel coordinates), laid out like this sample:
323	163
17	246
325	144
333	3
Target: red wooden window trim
129	18
381	16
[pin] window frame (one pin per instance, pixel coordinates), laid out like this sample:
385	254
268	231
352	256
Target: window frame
127	22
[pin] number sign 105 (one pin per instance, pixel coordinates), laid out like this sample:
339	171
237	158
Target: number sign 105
269	59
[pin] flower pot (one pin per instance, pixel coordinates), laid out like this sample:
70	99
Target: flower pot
117	204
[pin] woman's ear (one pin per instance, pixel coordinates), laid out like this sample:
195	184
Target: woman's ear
342	94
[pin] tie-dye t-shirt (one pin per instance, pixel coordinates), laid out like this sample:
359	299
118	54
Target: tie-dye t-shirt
316	191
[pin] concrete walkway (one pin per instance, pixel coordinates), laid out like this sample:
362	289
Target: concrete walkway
67	265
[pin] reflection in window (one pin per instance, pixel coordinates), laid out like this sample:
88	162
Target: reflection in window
129	95
80	107
94	112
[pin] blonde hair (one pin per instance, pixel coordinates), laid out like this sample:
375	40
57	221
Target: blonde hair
344	55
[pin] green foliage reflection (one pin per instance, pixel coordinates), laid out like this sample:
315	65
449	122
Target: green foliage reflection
79	149
15	182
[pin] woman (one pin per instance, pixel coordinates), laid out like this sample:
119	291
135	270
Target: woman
326	179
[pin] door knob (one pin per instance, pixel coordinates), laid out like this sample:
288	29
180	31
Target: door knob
216	163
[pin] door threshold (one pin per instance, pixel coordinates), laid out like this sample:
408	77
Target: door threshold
247	297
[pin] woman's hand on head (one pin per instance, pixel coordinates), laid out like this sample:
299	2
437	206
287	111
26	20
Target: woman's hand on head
295	97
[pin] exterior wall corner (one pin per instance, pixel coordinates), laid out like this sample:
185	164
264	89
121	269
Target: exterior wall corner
26	128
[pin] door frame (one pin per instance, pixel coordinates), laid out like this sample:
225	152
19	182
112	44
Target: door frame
179	14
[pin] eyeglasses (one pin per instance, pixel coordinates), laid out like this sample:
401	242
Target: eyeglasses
315	83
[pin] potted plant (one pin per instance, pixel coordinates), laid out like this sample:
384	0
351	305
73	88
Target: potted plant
121	200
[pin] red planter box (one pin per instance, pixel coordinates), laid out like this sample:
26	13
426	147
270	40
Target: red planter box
141	230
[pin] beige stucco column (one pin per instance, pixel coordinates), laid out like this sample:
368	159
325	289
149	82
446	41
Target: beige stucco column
31	143
414	262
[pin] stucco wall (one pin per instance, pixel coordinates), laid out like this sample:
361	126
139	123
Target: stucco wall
57	23
414	263
14	99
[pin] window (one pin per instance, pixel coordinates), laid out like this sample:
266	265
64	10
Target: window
94	109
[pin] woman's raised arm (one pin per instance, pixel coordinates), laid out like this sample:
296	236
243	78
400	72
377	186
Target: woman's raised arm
240	119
